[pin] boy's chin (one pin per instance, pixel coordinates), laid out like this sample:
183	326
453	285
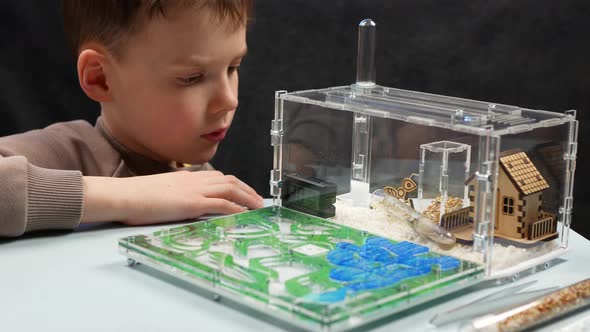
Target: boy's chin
201	157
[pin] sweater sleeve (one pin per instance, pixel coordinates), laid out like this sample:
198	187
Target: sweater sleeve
34	198
41	176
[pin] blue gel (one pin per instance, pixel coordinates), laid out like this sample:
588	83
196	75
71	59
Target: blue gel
377	264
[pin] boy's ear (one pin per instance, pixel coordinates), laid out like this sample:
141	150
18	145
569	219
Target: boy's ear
92	74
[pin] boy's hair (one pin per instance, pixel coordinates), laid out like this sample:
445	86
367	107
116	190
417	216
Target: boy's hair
111	22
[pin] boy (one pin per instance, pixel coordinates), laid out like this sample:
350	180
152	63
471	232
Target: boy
165	73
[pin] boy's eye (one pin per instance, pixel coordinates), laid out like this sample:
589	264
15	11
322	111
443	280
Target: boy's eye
190	79
233	69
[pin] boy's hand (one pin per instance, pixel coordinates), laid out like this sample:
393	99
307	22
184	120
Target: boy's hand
165	197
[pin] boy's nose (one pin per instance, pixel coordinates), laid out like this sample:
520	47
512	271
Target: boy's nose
225	97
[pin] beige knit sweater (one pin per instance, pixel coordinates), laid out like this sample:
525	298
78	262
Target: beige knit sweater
41	173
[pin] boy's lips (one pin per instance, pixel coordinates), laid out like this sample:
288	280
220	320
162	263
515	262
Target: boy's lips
215	136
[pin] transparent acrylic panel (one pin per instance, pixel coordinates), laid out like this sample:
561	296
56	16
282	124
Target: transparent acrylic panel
443	169
531	194
520	235
506	171
317	157
302	270
458	114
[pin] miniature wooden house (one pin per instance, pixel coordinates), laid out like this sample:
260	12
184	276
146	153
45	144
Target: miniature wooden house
519	199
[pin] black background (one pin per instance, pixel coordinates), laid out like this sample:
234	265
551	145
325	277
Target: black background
530	53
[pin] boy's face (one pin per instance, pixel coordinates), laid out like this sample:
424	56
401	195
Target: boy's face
175	88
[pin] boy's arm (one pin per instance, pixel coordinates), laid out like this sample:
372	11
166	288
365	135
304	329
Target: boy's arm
164	197
35	198
43	188
41	176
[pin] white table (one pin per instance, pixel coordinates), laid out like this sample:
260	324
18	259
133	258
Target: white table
78	281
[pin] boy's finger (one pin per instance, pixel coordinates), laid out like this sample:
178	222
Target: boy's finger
210	174
237	182
244	197
221	206
235	194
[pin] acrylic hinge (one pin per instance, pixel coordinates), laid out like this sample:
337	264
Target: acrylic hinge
360	123
276	132
568	204
483	176
360	148
480	242
566	210
570	156
275	183
444	179
358	167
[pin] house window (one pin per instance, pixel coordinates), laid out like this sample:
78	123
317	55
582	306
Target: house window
508	207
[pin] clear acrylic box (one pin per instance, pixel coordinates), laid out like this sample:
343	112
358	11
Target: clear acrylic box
443	168
514	191
382	199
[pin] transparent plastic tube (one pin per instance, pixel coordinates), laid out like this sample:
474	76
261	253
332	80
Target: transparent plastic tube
423	226
544	309
365	61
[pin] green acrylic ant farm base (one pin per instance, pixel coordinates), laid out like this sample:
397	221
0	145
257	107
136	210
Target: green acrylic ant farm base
302	270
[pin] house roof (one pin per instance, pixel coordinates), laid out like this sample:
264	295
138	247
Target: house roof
523	173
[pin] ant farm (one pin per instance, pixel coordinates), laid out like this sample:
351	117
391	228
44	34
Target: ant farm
383	199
